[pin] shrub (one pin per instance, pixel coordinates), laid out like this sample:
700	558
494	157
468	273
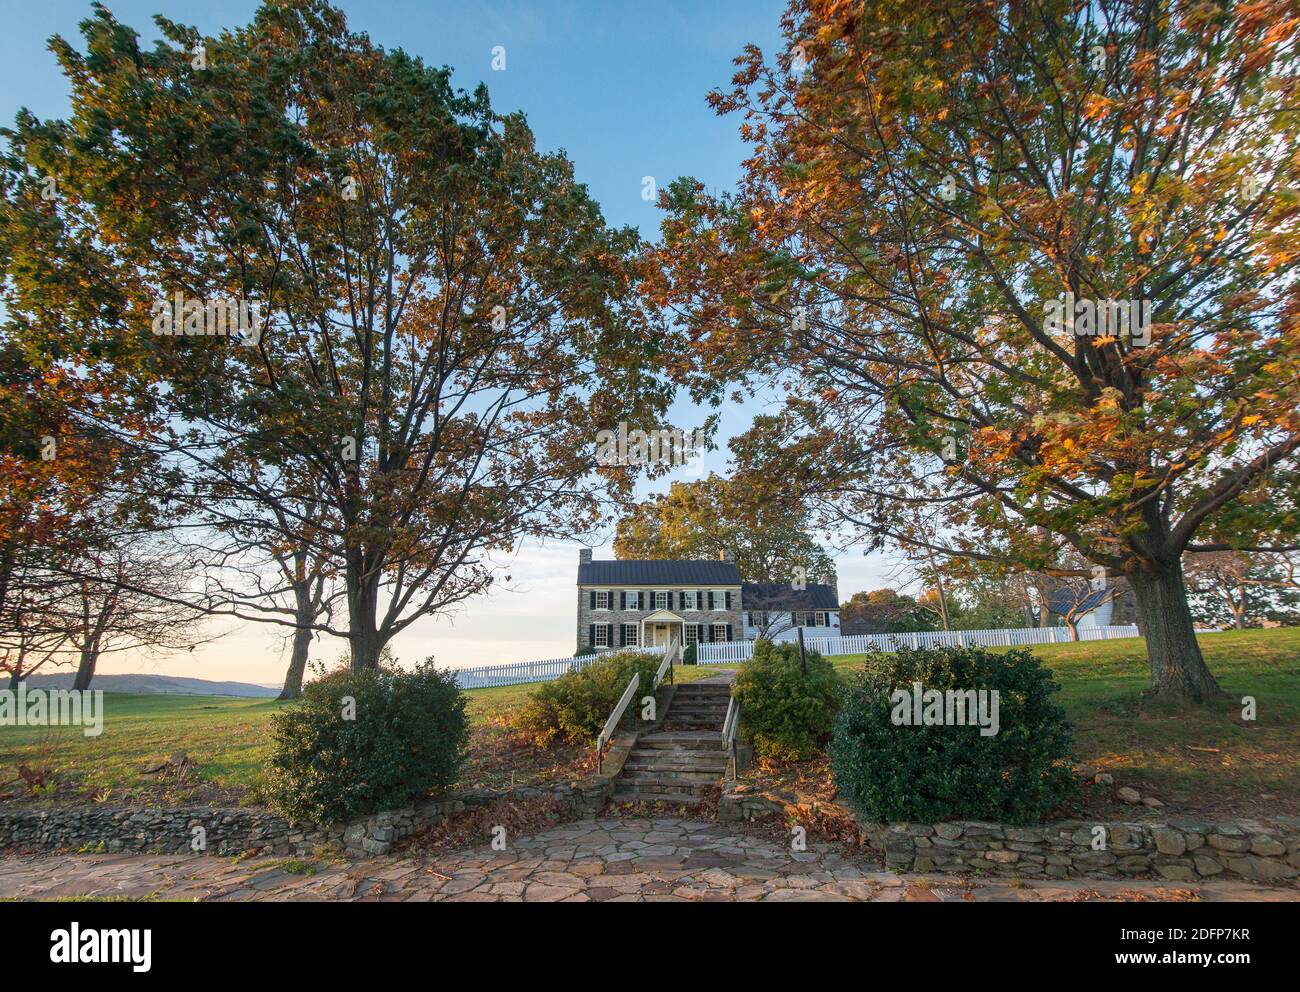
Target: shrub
575	706
690	654
890	772
406	737
784	711
582	652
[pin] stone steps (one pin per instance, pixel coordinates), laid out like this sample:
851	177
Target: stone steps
685	760
669	797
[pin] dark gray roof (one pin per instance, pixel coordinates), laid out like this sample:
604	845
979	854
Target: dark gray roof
782	596
658	573
1063	601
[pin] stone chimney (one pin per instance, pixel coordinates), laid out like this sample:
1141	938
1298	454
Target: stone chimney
584	556
833	581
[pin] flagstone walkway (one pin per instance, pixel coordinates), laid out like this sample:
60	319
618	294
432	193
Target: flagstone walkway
608	860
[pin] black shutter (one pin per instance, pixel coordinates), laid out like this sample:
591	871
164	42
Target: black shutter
728	595
591	635
794	619
593	599
710	595
622	635
622	599
729	637
709	627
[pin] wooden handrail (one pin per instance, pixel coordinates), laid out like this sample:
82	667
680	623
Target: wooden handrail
614	717
729	728
673	653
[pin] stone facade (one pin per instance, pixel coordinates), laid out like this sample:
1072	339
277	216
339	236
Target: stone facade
1178	850
616	616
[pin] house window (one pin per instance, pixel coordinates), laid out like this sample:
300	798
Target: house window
692	633
688	600
600	635
719	599
823	619
602	600
631	633
661	601
719	631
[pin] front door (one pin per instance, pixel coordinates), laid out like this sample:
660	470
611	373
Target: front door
661	634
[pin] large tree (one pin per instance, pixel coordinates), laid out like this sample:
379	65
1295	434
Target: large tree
768	539
932	184
1244	590
437	319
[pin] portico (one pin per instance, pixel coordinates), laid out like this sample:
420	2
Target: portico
661	628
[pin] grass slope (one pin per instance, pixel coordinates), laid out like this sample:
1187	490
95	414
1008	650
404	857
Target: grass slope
1202	759
229	739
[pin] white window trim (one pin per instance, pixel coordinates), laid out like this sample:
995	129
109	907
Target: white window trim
665	594
595	636
609	598
634	639
723	628
691	633
690	600
719	600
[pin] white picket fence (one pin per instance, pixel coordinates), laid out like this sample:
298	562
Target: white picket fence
521	672
732	651
720	653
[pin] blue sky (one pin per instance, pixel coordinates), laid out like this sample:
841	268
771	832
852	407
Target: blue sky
620	85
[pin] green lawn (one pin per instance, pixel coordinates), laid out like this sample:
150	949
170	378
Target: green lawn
1101	689
228	739
1201	758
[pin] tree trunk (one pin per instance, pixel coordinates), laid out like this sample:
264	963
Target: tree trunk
1072	627
305	610
363	613
297	664
1178	672
86	668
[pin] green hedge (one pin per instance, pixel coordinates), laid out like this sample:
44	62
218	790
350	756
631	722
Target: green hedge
889	772
358	743
786	712
575	706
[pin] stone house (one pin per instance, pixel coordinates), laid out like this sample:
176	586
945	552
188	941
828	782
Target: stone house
651	603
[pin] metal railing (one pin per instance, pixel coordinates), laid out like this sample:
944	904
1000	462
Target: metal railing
612	723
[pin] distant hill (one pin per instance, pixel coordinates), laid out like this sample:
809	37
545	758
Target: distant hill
167	684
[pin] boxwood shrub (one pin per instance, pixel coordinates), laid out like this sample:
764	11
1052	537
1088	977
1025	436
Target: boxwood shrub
785	712
358	743
575	706
890	773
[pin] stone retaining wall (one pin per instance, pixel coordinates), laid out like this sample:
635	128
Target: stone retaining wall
239	830
1177	849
